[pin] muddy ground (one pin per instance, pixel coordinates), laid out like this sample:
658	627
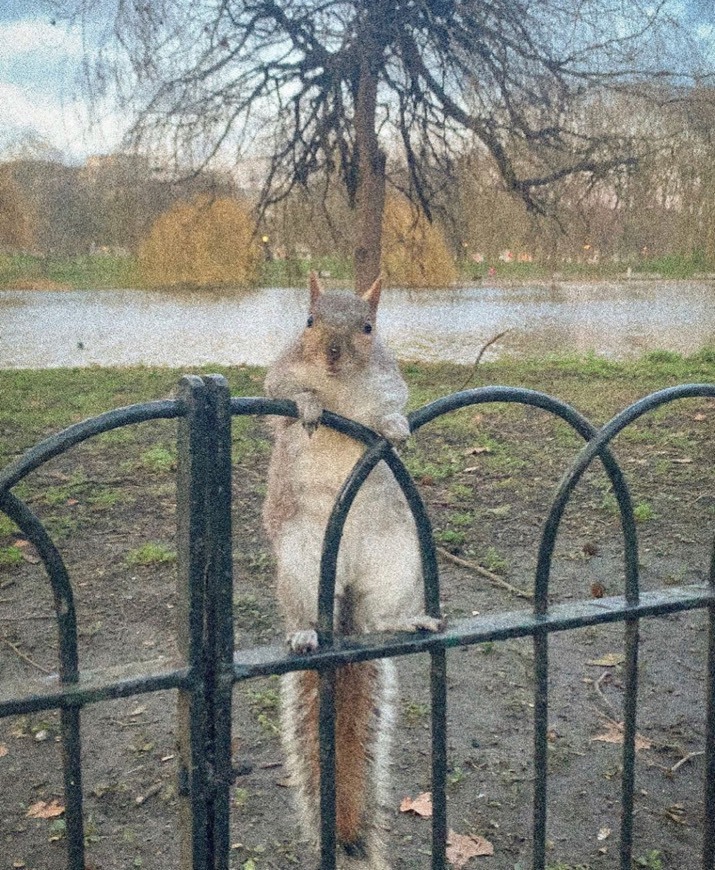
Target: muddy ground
487	475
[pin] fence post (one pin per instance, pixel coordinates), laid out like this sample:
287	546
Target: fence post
192	466
219	620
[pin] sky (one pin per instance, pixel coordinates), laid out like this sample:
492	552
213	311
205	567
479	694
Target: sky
41	95
40	73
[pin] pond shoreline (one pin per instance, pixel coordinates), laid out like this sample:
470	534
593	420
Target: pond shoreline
42	285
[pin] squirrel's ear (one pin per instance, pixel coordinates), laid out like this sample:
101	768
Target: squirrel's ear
316	291
372	296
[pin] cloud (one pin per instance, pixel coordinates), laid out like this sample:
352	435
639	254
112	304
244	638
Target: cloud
40	91
38	37
67	126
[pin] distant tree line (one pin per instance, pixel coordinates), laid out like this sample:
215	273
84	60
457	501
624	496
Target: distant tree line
663	204
110	203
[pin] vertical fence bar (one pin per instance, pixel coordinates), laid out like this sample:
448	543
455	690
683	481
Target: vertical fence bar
541	726
438	686
709	814
630	708
219	620
192	444
72	773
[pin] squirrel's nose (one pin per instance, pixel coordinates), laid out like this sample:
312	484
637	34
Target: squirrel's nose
334	352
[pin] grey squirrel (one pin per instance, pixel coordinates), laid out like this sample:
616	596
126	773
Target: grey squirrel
339	364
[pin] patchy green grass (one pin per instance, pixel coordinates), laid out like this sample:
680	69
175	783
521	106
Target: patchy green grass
158	459
10	556
265	706
151	553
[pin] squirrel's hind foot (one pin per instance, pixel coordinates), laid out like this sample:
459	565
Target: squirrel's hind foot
427	623
303	641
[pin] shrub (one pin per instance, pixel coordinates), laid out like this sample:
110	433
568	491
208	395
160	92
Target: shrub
414	251
205	242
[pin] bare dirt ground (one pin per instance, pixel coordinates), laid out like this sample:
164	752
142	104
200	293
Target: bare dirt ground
487	476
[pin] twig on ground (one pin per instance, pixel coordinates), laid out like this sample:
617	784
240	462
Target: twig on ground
24	657
599	692
485	347
150	792
494	579
688	757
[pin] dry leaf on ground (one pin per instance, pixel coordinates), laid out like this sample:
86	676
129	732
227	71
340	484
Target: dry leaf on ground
420	806
45	810
609	660
462	847
614	734
3	750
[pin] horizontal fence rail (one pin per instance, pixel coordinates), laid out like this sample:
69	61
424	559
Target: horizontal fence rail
209	666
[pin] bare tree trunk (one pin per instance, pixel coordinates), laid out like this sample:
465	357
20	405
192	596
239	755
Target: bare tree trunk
370	198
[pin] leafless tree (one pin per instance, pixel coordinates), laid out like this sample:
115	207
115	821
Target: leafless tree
333	88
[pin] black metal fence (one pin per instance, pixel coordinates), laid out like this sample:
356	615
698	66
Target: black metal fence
211	667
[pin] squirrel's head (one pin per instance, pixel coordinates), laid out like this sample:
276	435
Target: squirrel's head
341	327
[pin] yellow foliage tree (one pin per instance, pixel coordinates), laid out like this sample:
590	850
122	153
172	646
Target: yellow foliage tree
414	251
205	242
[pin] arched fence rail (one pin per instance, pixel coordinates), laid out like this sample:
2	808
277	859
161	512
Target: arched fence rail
209	667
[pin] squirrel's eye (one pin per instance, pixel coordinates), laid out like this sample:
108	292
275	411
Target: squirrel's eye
367	329
309	321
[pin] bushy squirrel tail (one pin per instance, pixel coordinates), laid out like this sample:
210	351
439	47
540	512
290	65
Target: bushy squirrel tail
364	720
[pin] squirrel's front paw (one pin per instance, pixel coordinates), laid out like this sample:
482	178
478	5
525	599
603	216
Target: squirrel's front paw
303	641
395	427
309	410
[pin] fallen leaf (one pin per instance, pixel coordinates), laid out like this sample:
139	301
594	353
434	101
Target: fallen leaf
3	750
462	847
609	660
476	451
501	511
676	813
614	734
45	810
420	806
597	591
603	834
700	418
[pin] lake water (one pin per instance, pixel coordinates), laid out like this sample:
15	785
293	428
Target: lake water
47	329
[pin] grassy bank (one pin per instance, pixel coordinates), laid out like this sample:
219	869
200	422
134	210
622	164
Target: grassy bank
25	272
43	401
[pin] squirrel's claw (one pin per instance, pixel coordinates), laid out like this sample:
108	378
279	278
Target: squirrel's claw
309	411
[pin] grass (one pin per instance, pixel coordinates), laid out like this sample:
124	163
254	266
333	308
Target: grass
10	556
265	705
101	271
24	271
151	553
